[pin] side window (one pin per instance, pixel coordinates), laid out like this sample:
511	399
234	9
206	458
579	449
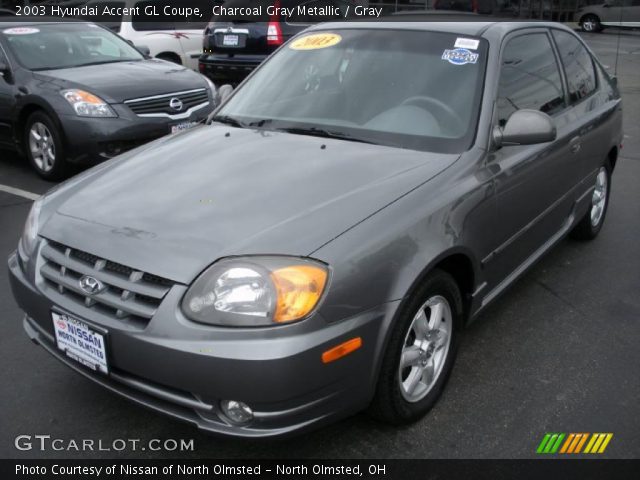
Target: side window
578	65
529	77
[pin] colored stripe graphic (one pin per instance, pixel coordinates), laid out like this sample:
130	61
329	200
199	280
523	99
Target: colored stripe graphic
605	443
573	443
556	445
581	442
550	443
543	443
567	443
598	442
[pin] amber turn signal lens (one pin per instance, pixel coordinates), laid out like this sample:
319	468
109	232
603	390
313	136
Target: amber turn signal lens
341	350
83	96
298	288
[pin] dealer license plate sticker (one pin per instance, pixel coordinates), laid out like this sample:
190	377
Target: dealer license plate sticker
80	342
230	40
182	126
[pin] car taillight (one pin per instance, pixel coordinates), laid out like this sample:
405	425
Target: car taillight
274	34
274	31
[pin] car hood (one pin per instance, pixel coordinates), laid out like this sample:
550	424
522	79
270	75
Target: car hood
174	207
116	82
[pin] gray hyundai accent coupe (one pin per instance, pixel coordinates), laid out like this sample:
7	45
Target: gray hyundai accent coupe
318	247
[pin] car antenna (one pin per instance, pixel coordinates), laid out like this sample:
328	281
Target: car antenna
615	68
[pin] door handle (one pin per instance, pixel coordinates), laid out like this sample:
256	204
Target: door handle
575	145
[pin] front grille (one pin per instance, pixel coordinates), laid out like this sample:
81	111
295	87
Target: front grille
129	294
160	105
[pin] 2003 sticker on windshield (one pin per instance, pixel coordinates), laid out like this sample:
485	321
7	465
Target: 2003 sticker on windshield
316	41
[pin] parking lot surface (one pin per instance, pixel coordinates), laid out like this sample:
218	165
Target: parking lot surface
557	353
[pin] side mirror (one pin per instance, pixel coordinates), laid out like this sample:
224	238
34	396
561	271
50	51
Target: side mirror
143	49
525	127
223	93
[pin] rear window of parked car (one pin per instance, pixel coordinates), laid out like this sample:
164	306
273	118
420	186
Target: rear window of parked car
529	77
578	65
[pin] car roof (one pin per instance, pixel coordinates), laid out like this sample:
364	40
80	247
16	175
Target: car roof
476	27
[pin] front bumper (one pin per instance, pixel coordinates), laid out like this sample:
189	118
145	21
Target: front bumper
92	140
184	370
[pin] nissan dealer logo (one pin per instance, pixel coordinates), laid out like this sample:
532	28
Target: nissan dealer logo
91	285
176	104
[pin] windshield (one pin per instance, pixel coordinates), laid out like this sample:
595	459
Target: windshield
50	46
409	89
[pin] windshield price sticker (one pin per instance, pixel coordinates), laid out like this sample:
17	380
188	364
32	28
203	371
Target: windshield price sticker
20	31
470	43
316	41
460	56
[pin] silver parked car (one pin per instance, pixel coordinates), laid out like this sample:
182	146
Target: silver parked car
611	13
318	247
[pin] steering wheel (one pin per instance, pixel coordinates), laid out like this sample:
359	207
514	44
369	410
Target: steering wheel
438	109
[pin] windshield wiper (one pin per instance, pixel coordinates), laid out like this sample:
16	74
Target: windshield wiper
227	120
102	62
321	132
260	123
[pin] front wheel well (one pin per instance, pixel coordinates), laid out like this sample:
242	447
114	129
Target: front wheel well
21	122
612	157
460	267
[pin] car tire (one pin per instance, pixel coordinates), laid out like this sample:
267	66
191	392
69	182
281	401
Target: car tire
412	376
590	225
44	147
590	24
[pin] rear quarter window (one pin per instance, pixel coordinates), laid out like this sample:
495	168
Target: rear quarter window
578	66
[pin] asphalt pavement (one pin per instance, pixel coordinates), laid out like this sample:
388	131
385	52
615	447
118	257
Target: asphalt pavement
558	353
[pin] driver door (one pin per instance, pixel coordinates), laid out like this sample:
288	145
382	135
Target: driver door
533	183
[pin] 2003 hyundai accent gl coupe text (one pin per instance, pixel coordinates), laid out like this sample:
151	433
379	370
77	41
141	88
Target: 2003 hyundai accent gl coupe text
318	247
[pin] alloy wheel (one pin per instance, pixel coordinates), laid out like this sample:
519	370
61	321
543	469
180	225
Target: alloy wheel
42	147
599	198
425	348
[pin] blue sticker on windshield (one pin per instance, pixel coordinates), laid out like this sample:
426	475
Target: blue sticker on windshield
460	56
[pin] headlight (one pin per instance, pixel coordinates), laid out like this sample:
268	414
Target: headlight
256	291
212	87
86	104
30	233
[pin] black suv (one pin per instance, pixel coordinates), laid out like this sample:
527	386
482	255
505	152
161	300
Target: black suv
236	42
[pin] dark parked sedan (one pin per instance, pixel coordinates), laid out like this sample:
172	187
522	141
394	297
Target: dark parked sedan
319	247
78	93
